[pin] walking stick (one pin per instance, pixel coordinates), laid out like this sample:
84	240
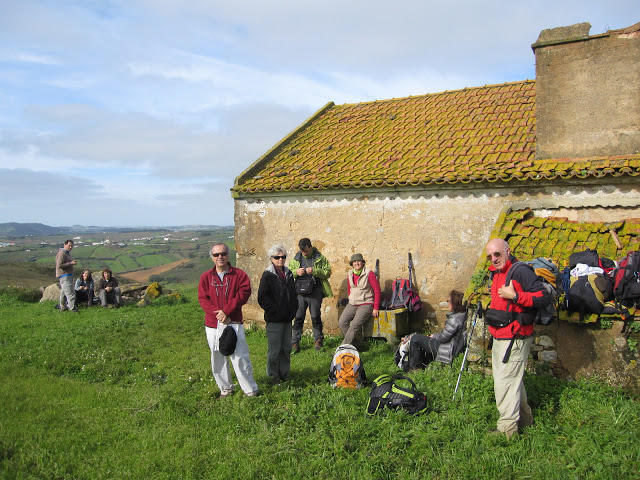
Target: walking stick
476	315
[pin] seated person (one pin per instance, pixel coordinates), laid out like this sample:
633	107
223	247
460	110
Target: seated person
84	288
417	351
364	299
108	290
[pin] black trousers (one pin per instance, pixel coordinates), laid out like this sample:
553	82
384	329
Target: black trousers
422	351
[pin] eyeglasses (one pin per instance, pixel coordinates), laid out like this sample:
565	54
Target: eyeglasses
494	255
219	254
279	257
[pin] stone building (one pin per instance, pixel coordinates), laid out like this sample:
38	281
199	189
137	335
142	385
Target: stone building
433	174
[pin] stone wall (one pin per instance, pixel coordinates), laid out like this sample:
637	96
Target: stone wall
587	92
445	231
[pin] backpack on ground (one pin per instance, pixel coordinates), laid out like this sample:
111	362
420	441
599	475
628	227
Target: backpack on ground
626	280
387	393
347	370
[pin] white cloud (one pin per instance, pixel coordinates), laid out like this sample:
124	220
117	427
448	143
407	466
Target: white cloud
161	103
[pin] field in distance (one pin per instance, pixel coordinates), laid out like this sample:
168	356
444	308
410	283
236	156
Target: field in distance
164	255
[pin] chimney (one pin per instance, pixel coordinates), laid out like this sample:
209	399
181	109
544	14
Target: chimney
587	92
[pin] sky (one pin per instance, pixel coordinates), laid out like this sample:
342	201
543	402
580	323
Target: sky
142	112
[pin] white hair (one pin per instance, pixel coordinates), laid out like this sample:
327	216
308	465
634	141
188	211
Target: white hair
277	249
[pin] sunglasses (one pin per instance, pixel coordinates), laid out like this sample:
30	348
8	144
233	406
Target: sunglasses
279	257
219	254
494	255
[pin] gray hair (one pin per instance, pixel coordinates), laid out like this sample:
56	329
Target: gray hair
277	249
226	248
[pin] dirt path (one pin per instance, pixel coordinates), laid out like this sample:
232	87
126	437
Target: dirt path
142	276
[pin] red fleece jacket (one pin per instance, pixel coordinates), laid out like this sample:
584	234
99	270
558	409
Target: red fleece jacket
228	295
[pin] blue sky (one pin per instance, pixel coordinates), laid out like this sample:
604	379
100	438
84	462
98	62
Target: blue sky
142	112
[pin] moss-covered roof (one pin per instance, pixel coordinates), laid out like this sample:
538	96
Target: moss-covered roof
530	236
484	134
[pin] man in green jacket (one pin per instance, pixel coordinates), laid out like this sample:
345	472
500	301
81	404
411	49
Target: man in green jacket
311	272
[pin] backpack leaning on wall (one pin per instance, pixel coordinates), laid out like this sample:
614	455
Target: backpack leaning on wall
588	294
347	370
403	294
626	282
387	393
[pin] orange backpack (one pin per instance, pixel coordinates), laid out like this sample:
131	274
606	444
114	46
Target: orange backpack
346	369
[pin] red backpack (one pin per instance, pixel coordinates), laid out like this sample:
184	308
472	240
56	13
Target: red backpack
626	281
404	296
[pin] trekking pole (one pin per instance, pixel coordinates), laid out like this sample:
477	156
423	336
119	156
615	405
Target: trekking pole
476	315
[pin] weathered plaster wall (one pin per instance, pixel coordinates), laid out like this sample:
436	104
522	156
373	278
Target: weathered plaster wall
445	231
587	93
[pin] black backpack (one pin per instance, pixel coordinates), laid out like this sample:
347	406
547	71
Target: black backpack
542	316
387	393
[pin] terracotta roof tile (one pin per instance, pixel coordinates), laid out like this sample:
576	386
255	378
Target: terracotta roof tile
478	135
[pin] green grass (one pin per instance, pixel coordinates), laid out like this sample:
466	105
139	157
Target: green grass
128	393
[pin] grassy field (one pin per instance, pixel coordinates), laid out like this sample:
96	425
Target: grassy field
30	262
128	393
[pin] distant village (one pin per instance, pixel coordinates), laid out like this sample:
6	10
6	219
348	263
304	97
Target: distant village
79	242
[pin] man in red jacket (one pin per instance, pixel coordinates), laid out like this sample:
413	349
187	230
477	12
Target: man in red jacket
510	319
222	292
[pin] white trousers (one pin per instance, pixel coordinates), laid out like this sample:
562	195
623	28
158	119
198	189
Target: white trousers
239	359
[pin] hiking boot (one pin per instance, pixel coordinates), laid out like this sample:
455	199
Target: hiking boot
295	348
226	393
253	394
318	344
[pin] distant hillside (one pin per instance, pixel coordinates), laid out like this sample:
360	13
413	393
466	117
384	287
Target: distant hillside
14	229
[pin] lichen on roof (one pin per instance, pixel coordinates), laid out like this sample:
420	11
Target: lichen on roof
475	135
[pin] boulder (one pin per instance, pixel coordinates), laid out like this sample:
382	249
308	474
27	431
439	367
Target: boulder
52	292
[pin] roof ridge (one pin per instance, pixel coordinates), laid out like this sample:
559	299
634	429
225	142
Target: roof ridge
443	92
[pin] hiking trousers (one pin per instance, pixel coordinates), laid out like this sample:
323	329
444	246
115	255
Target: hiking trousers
313	302
67	290
508	384
239	359
278	350
352	320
